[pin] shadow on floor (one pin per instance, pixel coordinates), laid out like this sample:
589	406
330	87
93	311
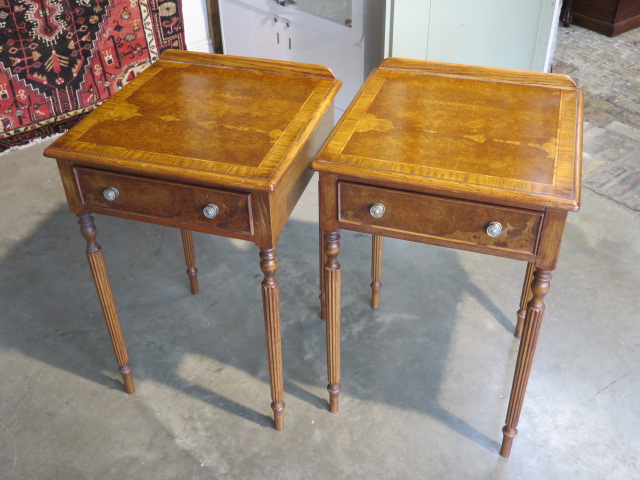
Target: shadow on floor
384	351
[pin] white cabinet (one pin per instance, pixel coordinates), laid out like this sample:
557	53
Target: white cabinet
247	28
498	33
350	46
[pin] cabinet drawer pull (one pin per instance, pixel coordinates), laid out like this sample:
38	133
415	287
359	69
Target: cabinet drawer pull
111	193
494	229
211	210
377	210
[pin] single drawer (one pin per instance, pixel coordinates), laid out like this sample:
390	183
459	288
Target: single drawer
164	200
432	217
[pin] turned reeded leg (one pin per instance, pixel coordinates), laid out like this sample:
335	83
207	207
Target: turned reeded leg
332	309
530	332
271	306
524	299
323	259
377	242
190	259
101	279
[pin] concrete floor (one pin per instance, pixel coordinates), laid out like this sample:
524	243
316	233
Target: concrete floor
426	378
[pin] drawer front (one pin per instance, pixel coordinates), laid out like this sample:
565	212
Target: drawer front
454	221
165	200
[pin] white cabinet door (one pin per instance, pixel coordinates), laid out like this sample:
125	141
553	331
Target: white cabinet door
497	33
250	31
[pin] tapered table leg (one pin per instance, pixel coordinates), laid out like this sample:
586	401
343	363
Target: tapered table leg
271	306
323	259
332	308
377	242
531	330
524	299
190	259
101	280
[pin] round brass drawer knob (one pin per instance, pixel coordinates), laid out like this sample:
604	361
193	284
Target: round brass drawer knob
111	193
377	210
494	229
211	210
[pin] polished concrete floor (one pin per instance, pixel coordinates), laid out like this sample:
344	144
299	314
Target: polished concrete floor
426	378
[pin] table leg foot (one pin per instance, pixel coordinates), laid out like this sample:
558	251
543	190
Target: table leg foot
377	242
278	415
190	259
271	307
334	397
193	280
508	434
332	274
526	352
127	377
103	286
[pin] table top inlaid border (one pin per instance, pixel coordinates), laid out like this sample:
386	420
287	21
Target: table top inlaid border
564	189
267	173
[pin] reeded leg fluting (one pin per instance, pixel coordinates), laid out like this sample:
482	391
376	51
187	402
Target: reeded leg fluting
530	332
323	259
331	273
524	299
190	259
377	242
271	306
103	286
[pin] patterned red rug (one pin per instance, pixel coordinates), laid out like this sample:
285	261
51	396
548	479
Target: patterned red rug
59	59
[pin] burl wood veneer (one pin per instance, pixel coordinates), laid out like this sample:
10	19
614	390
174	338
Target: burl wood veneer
211	143
472	158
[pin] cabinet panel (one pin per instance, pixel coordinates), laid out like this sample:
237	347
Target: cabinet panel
249	31
409	21
497	33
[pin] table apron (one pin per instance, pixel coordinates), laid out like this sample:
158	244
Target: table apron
160	202
174	223
441	242
437	220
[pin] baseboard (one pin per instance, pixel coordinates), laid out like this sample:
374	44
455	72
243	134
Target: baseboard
626	25
606	28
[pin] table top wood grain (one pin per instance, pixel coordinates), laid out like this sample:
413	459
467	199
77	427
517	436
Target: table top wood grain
206	118
506	136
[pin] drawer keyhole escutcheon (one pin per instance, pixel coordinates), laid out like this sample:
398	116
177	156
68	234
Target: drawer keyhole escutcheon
211	210
377	210
494	229
111	193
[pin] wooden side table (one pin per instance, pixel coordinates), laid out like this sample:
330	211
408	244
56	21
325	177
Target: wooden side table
201	142
472	158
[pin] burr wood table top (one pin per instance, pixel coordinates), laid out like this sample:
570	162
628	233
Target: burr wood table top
206	117
473	132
